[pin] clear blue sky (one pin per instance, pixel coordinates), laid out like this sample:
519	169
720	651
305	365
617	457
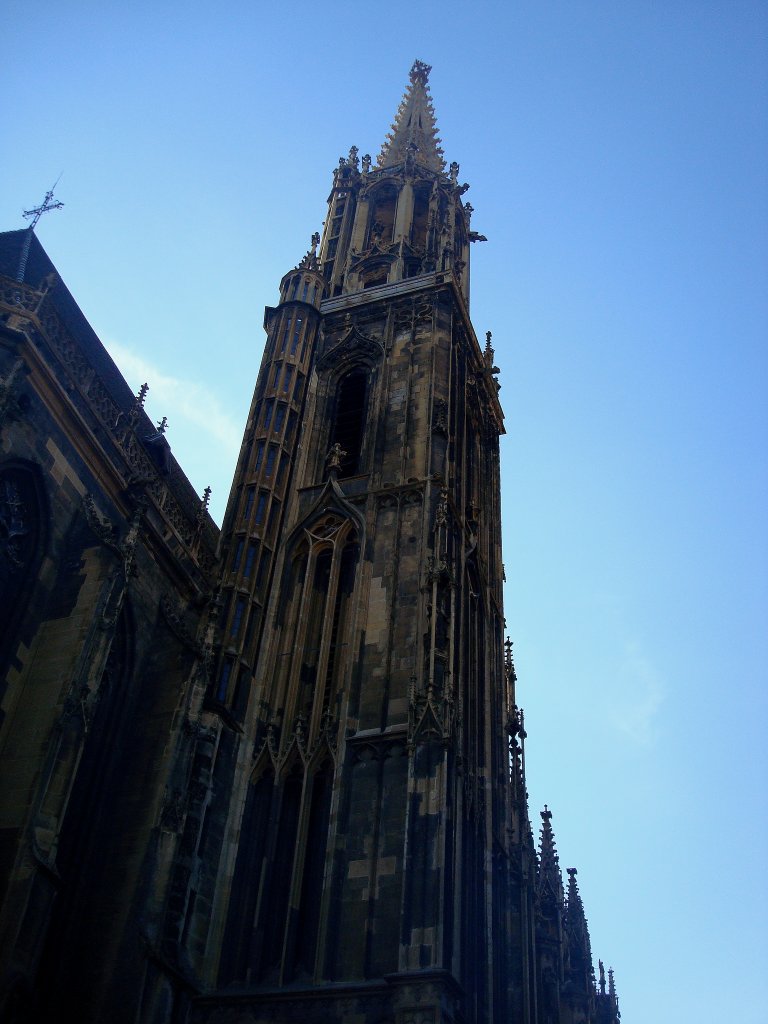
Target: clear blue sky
618	157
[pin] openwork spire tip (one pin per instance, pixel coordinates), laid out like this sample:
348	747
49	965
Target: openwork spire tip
413	136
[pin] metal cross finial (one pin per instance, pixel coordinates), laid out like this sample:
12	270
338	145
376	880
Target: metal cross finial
35	213
45	207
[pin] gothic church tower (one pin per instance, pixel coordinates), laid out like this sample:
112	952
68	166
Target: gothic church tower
276	775
370	856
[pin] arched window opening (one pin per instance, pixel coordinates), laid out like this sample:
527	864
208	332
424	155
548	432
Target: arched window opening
375	276
344	592
275	909
382	223
316	615
241	940
308	924
349	420
293	581
420	217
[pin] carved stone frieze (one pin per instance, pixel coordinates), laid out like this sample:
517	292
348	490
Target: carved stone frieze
410	313
376	746
397	496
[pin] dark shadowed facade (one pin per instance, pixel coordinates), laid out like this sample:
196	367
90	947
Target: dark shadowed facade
276	775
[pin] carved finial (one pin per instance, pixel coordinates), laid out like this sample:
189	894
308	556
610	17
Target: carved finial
309	259
138	404
601	969
162	426
489	353
413	136
453	170
366	163
420	72
335	456
550	882
469	210
352	160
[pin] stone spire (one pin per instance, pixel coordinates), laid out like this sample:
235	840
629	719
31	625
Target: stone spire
614	999
576	927
414	132
550	884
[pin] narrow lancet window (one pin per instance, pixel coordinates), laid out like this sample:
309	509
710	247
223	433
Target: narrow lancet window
349	420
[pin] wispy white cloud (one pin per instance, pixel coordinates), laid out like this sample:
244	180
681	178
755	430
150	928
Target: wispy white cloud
182	401
637	696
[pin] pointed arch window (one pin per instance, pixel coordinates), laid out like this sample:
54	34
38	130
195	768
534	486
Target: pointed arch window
267	937
323	594
382	222
420	217
349	419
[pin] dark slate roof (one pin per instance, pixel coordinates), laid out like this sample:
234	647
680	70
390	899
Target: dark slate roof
39	266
